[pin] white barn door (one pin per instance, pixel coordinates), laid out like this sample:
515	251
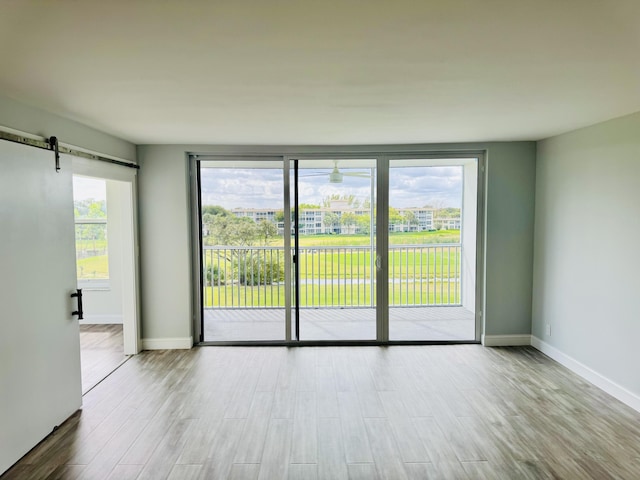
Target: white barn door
40	380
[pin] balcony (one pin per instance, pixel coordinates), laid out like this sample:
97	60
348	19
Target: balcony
244	291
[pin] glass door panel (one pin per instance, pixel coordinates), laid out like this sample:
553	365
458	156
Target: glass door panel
336	257
431	258
243	253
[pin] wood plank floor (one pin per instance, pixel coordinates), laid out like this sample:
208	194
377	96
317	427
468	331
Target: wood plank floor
405	412
101	352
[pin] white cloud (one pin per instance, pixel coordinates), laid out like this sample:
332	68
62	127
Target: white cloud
85	188
263	188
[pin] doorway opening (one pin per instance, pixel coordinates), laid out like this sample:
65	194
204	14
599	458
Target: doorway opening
103	218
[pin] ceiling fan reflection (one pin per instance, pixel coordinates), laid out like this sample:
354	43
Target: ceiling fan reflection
336	176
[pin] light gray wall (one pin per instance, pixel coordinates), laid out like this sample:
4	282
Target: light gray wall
28	119
509	221
165	249
587	255
165	236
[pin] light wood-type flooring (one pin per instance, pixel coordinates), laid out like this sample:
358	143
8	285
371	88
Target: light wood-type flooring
402	412
101	352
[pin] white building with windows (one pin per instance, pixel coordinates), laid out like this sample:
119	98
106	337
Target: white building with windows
333	219
256	214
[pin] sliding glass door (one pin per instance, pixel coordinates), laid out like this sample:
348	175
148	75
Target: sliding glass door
432	249
243	257
335	260
338	248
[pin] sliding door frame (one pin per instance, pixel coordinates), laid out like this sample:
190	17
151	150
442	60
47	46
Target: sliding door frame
197	278
382	158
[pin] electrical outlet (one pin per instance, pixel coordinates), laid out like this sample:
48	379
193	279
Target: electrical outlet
548	329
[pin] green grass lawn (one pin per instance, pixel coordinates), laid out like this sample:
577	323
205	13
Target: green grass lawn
348	264
321	295
93	267
441	263
395	238
95	261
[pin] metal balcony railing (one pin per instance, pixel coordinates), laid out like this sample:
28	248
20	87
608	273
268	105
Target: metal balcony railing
336	276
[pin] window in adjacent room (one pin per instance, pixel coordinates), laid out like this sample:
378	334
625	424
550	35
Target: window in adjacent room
90	211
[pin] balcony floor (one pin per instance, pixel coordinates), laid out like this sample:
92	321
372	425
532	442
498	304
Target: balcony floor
332	324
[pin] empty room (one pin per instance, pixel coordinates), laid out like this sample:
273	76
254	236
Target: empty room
319	240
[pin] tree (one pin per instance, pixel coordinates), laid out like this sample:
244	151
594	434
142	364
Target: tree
266	230
215	210
364	224
351	200
326	201
247	266
212	216
449	212
394	217
440	212
410	218
232	230
349	219
97	210
90	209
331	220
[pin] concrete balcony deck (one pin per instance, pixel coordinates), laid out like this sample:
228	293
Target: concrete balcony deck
334	324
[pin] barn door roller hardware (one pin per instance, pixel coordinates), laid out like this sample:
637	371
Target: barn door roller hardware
53	144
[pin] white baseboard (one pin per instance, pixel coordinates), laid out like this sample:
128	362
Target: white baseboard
179	343
600	381
506	340
100	319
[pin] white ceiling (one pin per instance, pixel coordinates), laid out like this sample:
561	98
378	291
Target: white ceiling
324	71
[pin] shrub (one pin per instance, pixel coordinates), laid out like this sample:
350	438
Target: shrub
214	275
256	269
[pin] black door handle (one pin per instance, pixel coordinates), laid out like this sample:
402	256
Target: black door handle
78	312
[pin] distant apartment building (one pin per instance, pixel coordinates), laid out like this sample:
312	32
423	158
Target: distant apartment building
414	219
256	214
452	223
334	219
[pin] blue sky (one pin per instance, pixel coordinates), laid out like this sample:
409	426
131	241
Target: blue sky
262	188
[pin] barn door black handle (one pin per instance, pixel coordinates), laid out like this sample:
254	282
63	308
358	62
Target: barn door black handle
78	312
